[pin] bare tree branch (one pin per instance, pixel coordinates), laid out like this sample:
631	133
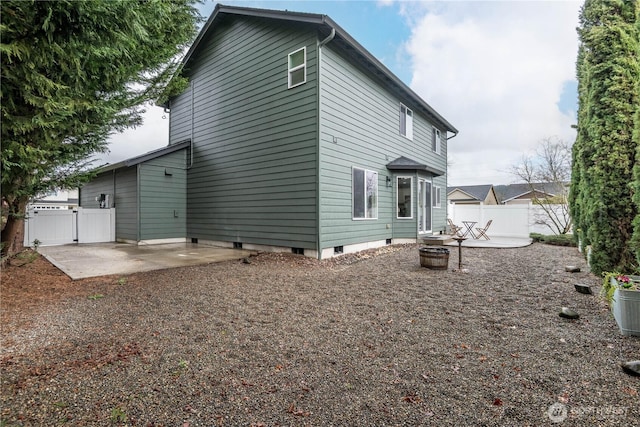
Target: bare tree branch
547	174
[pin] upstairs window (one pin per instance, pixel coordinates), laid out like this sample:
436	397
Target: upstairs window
365	194
406	122
435	140
298	67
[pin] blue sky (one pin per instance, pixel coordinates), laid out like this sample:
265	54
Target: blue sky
503	72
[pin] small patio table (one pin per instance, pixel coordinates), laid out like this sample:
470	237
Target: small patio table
469	228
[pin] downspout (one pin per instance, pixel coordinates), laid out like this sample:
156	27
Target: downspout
329	38
115	232
318	152
167	110
138	215
446	183
192	124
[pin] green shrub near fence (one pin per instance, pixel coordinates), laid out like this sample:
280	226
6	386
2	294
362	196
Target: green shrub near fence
557	240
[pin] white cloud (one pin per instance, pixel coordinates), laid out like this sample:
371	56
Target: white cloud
496	71
153	134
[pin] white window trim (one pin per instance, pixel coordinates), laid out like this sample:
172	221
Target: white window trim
296	68
365	218
438	139
412	197
437	196
408	113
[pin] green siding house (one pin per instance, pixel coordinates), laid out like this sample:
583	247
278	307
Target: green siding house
300	140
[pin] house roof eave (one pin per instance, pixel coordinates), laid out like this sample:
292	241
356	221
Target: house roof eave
324	20
406	164
145	157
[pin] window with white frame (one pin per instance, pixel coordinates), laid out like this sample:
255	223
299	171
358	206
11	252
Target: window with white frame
406	122
297	67
365	194
404	196
435	140
437	197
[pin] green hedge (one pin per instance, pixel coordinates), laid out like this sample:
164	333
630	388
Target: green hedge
555	239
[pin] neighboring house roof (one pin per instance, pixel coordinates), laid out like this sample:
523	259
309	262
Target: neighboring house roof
510	192
403	163
326	27
144	157
61	197
475	192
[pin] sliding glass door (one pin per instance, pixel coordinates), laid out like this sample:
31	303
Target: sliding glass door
424	206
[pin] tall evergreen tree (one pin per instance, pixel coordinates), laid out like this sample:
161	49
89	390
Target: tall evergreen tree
609	71
635	241
72	73
579	160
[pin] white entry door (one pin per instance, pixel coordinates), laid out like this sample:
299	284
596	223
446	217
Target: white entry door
424	206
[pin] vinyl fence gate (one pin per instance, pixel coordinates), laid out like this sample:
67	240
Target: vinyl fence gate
62	227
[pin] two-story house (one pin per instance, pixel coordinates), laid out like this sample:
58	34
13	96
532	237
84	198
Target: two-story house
293	137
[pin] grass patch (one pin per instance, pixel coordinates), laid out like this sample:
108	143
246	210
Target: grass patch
118	416
27	256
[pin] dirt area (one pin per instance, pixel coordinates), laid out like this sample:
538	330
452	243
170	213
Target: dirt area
365	339
30	283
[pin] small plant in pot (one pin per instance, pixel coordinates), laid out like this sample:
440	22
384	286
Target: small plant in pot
622	292
614	280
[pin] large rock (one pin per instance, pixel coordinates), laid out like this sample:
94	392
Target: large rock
567	313
583	289
632	367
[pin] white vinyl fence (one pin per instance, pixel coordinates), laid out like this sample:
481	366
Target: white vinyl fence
508	220
61	227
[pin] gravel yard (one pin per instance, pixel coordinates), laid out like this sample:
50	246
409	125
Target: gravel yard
371	340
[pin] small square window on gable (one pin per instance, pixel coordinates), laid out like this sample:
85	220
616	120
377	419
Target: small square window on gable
435	140
298	67
406	122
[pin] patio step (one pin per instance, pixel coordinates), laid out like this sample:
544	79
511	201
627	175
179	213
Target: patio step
437	240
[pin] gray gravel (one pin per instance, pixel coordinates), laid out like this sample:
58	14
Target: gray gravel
369	340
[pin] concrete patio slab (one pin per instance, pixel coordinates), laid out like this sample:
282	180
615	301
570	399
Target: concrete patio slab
102	259
494	242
